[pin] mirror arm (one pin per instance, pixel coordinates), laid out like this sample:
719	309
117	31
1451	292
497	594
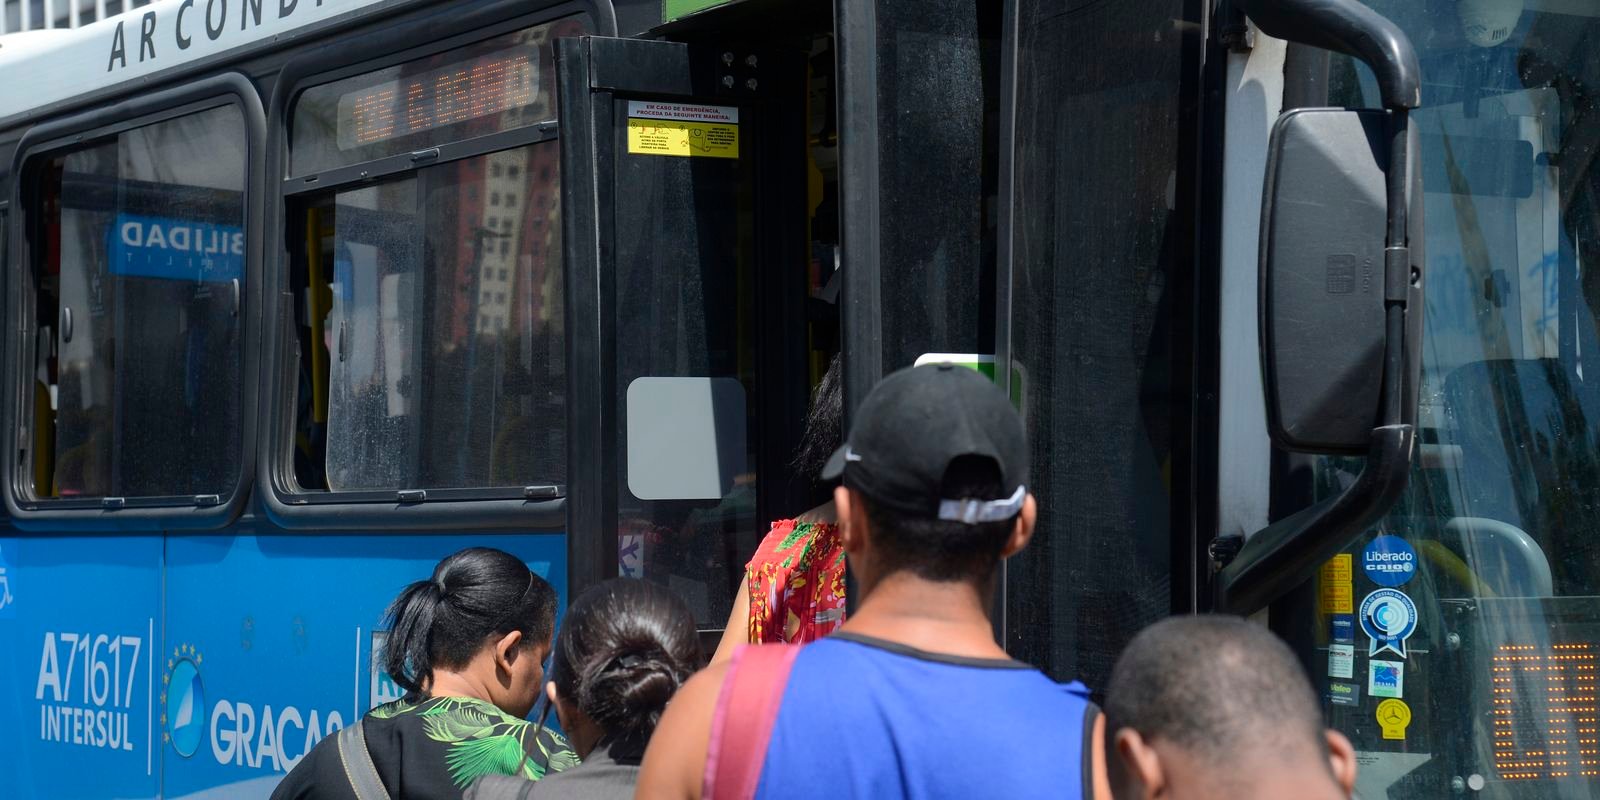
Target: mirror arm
1398	275
1288	552
1348	27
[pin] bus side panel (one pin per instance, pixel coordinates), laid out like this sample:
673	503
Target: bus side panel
79	621
270	640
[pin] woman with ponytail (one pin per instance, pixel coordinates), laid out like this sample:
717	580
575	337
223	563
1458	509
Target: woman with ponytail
625	648
468	646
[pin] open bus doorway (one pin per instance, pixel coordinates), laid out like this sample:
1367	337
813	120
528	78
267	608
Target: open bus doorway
699	186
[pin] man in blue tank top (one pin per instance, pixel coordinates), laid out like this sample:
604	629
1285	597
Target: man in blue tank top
913	697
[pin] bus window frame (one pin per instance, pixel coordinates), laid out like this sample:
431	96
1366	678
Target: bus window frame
143	513
402	508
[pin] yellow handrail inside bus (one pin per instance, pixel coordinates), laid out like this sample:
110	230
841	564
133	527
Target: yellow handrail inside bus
319	298
1451	564
44	442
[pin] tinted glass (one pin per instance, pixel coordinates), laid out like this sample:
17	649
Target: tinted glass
140	279
1489	568
938	90
438	315
684	292
1099	257
482	88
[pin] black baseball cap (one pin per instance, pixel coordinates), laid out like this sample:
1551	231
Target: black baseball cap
917	421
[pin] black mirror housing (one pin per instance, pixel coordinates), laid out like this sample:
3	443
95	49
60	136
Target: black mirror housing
1325	280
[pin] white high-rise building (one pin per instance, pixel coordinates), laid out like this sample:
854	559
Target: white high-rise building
34	15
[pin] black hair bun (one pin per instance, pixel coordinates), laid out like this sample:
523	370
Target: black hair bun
631	692
626	646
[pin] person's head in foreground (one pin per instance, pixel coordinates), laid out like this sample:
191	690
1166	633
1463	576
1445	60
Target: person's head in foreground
480	627
933	480
1217	707
625	647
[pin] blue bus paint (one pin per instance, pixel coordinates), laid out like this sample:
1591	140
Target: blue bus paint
78	712
262	646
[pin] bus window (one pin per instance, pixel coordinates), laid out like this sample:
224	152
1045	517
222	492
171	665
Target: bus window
1475	604
429	303
139	272
441	324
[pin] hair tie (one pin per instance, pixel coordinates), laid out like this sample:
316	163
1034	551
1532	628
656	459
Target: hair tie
628	661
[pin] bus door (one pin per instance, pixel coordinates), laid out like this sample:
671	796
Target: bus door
684	257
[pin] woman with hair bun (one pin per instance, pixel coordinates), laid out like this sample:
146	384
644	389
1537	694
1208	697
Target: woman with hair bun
468	646
625	647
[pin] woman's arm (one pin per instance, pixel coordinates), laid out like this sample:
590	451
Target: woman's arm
738	630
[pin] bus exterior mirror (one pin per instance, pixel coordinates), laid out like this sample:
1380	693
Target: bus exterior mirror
1327	282
1341	296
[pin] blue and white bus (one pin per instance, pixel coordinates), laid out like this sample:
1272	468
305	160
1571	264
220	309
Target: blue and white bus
300	296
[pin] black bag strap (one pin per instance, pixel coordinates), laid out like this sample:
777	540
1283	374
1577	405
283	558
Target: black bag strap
358	766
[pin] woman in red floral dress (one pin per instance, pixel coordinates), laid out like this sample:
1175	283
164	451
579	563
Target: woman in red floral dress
793	587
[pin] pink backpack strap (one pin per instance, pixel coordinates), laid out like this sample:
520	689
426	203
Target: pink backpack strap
752	691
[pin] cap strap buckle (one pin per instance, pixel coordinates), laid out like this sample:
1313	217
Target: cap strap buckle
972	512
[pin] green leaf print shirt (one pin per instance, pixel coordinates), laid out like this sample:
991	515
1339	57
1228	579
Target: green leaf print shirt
434	748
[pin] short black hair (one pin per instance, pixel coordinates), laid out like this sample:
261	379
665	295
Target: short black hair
939	549
442	622
1213	685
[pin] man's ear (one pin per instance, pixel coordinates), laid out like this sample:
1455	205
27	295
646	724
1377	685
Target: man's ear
1022	531
507	650
847	509
1140	765
1342	758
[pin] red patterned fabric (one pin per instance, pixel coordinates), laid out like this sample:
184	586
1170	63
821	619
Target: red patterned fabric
796	581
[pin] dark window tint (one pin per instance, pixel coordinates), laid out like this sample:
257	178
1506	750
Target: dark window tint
139	271
458	94
937	95
1098	250
438	358
685	373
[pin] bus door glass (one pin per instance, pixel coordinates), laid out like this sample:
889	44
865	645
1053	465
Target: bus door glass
667	158
1458	640
1101	287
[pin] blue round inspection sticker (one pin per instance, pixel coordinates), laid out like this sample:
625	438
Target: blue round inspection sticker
1389	561
1389	617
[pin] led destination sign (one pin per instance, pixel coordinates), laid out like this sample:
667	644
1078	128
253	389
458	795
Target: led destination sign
1545	714
457	92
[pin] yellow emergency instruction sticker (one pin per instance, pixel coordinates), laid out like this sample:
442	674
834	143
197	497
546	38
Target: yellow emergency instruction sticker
1336	590
1393	717
683	129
